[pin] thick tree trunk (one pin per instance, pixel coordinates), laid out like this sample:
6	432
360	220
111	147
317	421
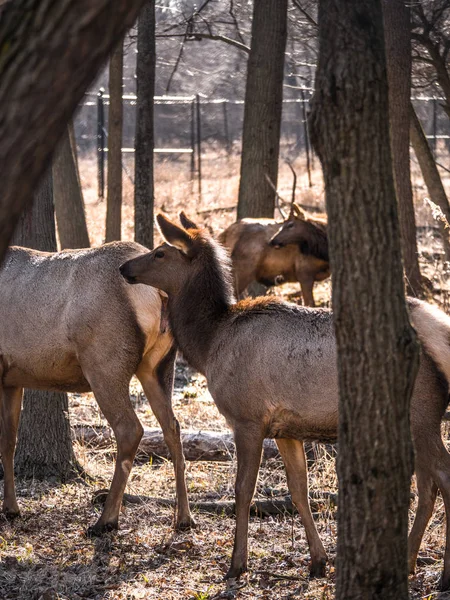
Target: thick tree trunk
115	123
144	193
431	176
397	28
44	445
263	105
377	351
47	60
68	198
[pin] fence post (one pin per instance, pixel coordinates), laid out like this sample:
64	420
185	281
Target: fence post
101	143
225	127
193	139
435	127
307	142
199	148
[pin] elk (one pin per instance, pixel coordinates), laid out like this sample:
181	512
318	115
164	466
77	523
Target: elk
71	323
271	368
271	253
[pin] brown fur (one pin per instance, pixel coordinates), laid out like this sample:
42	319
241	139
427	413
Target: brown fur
303	257
272	371
70	323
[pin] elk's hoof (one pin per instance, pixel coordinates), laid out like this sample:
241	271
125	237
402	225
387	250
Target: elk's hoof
11	513
185	524
318	569
445	583
235	572
99	529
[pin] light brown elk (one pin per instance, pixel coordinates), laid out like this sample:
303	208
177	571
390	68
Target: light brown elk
71	323
271	369
270	253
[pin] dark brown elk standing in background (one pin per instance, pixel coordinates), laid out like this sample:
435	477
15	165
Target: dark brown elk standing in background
271	368
300	252
70	323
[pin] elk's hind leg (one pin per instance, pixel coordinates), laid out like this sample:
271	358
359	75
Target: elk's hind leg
293	454
158	385
11	402
427	491
112	394
441	475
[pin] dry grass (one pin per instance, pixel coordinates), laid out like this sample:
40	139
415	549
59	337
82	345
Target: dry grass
45	554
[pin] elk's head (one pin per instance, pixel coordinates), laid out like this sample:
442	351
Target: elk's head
185	255
167	266
291	230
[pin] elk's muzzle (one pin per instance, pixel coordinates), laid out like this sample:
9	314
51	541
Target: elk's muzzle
125	271
275	243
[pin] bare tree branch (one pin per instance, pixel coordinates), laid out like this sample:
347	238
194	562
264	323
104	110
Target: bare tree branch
305	13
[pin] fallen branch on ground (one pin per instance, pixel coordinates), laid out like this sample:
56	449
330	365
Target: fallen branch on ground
260	507
197	445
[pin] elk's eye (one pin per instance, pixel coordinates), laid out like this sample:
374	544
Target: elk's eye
290	225
159	254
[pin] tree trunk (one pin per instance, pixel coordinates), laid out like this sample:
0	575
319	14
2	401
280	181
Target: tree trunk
397	28
431	177
47	61
144	193
377	350
262	114
68	198
442	73
115	123
44	446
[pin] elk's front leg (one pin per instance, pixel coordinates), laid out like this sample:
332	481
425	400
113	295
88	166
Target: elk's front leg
10	405
249	442
306	285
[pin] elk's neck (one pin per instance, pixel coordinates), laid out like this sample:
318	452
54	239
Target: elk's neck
197	313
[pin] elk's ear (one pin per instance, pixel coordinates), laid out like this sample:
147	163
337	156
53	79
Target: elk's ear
175	235
298	212
186	221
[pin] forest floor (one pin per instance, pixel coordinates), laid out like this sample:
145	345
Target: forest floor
45	554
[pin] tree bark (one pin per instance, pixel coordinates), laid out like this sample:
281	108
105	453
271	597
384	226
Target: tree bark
50	52
68	198
263	106
431	177
144	193
377	349
397	29
44	445
115	124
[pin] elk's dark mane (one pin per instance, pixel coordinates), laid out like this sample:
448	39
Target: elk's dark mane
203	304
315	241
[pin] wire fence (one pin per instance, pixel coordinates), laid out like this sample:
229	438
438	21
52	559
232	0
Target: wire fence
185	125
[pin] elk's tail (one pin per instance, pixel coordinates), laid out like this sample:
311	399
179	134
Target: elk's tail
433	328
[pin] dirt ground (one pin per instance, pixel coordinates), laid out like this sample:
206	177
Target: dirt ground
45	554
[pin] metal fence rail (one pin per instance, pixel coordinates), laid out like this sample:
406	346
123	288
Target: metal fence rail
184	123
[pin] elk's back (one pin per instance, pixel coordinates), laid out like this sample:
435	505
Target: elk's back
58	308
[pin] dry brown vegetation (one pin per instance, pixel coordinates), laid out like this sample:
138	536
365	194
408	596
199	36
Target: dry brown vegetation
45	554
